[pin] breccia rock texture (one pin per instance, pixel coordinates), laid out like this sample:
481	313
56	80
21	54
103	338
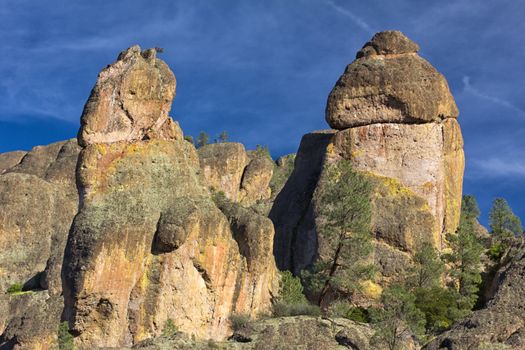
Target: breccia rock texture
501	323
39	200
389	83
395	122
148	244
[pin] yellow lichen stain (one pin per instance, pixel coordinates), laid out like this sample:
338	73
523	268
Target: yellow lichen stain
330	149
355	153
371	289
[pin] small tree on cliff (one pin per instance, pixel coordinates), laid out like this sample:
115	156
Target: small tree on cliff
503	222
344	212
202	139
465	255
223	137
398	319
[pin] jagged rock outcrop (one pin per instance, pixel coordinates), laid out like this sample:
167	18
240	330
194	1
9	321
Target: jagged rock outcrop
243	177
148	243
39	200
396	122
130	101
501	323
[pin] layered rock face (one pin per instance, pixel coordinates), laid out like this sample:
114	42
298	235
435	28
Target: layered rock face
395	121
148	243
39	200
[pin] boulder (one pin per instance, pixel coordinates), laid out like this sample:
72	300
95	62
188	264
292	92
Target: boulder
256	180
223	166
389	83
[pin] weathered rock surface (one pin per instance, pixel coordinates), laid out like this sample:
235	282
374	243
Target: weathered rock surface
397	127
286	333
130	101
425	158
39	200
10	159
223	165
243	177
389	83
148	243
501	323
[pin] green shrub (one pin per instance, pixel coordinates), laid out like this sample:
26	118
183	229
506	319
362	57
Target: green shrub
495	252
65	339
239	321
218	197
262	151
281	309
344	309
170	328
291	289
15	288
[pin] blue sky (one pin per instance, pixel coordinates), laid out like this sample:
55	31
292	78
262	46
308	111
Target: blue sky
262	70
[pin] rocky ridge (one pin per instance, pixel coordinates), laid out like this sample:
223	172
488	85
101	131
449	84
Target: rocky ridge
124	231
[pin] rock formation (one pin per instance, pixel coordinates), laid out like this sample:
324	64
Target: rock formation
243	177
285	333
395	121
501	323
148	243
38	198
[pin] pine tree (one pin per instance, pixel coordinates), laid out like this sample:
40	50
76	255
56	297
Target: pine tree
202	139
503	222
343	207
223	137
398	318
428	267
465	256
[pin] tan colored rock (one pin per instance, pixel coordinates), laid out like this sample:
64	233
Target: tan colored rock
389	83
148	244
426	158
39	200
223	166
10	159
255	184
130	101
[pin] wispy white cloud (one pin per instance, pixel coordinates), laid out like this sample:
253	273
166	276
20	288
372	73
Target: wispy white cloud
467	87
358	21
498	167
